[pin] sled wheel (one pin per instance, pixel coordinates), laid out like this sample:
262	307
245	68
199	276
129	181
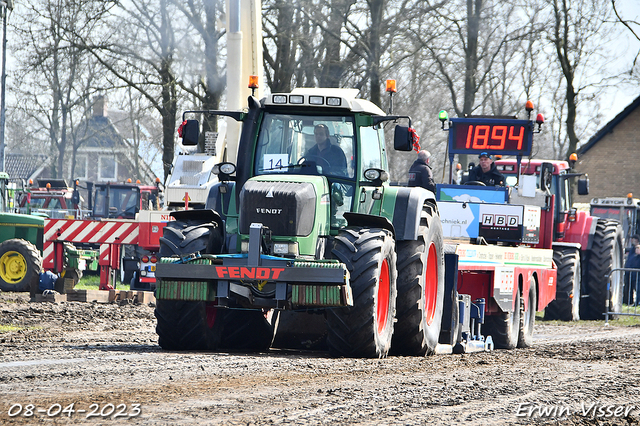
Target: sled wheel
605	255
504	327
365	329
566	306
420	290
528	316
20	265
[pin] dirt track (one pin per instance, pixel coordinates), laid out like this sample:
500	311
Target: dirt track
84	354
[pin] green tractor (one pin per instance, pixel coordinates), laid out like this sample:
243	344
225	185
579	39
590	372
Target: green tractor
304	237
21	247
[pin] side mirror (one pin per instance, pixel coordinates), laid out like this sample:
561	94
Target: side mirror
191	133
546	173
402	139
583	185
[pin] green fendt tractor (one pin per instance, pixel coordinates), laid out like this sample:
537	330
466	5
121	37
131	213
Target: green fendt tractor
21	247
305	224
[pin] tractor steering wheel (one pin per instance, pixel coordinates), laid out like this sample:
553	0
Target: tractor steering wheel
313	158
475	182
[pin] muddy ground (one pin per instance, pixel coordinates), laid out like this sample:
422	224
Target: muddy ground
101	364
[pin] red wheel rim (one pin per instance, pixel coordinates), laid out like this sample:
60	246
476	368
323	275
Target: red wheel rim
431	285
382	313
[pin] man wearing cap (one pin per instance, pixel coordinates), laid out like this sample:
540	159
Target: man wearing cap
420	173
486	172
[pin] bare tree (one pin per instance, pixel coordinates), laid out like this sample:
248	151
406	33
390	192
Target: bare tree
140	54
202	16
56	77
577	36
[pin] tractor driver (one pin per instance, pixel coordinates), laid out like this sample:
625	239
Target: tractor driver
324	153
486	172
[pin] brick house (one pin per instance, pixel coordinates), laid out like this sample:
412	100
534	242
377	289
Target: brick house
611	157
106	154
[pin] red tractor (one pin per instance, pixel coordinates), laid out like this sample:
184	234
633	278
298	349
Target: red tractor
586	248
52	197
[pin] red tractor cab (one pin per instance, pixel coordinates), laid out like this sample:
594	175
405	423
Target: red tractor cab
52	197
586	248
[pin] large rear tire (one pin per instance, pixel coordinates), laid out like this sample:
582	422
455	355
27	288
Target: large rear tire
566	306
504	327
365	329
420	290
606	255
20	265
528	316
185	325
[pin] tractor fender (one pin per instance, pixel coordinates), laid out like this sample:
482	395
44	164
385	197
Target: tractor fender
368	220
582	230
406	214
557	244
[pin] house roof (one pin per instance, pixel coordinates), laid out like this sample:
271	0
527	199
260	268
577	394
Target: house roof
608	128
21	166
99	132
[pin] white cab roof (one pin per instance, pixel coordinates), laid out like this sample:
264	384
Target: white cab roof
347	98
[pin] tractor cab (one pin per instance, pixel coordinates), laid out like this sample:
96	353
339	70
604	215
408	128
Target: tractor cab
124	201
307	162
553	177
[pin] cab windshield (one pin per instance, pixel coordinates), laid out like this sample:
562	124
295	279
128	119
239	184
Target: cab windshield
290	143
122	202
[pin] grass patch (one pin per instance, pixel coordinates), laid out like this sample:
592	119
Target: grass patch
8	328
92	282
620	321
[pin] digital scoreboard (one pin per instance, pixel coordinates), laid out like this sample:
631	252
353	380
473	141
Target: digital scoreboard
492	135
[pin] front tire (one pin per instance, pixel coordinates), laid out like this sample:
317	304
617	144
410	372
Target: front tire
188	325
365	329
185	325
566	306
420	289
245	330
605	256
20	265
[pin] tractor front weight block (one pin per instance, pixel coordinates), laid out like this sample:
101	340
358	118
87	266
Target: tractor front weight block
265	282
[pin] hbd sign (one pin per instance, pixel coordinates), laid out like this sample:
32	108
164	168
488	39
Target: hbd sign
500	220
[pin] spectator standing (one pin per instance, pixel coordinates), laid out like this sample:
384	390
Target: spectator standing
420	173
